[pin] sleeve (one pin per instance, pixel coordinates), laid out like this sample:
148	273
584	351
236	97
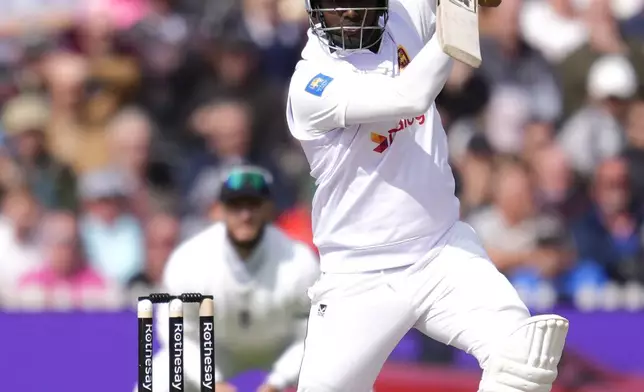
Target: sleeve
421	14
321	102
287	368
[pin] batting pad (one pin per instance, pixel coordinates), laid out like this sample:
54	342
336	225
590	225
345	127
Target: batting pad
527	361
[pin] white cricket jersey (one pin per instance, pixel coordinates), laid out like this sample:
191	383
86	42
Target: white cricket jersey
375	144
261	304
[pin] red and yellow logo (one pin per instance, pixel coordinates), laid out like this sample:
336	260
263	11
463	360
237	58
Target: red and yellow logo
403	58
383	142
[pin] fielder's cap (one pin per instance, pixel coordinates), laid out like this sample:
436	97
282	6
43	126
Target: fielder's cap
104	184
612	76
246	182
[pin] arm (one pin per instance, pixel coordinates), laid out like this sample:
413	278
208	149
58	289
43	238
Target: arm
348	98
287	367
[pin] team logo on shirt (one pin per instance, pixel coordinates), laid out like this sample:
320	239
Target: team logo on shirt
318	84
403	58
383	142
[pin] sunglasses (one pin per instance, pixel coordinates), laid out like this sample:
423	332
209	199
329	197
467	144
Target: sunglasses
256	180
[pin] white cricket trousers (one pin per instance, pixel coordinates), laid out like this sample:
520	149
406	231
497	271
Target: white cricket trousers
455	295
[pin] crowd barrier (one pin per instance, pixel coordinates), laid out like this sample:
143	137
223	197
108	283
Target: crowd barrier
97	351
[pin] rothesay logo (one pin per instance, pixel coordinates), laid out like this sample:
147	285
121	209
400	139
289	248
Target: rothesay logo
207	352
177	360
147	335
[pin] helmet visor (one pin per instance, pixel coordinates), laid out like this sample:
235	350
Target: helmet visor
349	24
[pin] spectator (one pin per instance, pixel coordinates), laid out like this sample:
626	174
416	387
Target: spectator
225	126
596	131
11	176
633	23
19	251
75	136
29	71
464	96
112	72
121	13
163	42
54	184
130	136
537	135
161	238
65	269
634	152
516	236
233	71
515	68
111	235
566	30
558	189
279	41
609	236
624	10
604	39
507	115
475	172
291	11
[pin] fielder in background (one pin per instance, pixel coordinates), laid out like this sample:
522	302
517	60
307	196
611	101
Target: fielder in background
394	255
258	277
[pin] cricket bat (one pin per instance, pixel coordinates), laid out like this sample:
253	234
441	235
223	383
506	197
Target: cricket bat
457	25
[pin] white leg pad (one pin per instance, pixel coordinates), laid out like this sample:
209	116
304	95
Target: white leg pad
527	360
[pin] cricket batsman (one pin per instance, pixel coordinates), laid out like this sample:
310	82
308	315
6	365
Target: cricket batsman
394	254
258	278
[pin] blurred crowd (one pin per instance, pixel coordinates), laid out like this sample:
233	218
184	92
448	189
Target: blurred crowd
117	118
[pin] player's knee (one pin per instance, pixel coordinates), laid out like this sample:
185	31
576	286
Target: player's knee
527	360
